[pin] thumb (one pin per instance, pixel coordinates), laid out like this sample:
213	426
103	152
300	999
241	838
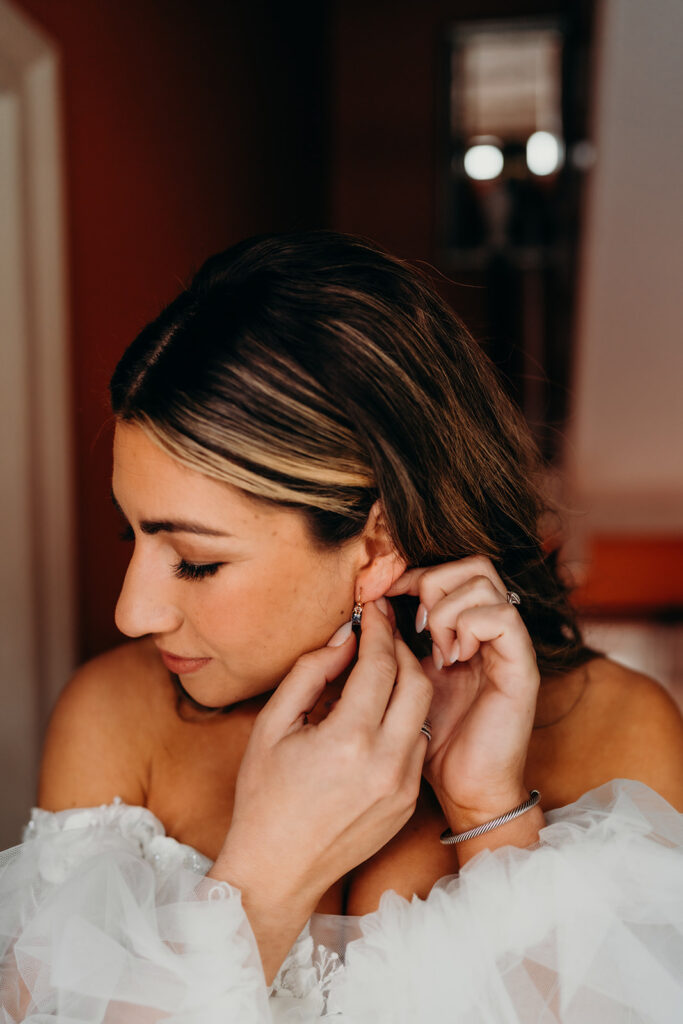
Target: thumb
302	686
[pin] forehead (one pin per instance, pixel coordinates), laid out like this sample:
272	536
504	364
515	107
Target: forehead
150	483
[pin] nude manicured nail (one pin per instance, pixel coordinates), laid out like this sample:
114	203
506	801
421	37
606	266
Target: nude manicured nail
381	603
341	636
420	618
437	657
455	652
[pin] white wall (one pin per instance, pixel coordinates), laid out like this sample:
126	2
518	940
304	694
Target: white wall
625	452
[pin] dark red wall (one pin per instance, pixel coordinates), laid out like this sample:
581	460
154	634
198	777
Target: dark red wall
188	126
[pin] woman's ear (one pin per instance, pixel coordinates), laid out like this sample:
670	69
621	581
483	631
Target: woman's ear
381	565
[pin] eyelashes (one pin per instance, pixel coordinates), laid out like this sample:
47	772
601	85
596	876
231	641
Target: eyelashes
192	571
184	570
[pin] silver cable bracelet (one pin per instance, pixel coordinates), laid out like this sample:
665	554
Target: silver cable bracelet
448	839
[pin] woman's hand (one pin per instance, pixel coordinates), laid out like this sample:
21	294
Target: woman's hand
486	679
313	801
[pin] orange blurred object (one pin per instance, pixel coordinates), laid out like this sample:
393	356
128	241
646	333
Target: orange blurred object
634	575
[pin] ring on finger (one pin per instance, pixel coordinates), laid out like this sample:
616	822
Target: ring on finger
426	728
512	598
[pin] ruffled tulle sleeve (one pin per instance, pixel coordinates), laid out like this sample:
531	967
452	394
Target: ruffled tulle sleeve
585	927
104	918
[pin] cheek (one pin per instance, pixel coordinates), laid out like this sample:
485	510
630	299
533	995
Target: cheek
258	622
319	599
224	609
249	605
283	609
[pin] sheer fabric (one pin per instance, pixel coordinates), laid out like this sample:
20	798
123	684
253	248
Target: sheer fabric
104	918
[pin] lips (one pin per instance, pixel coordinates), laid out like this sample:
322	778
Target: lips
182	666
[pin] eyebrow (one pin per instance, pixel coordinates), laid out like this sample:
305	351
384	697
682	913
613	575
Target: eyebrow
152	526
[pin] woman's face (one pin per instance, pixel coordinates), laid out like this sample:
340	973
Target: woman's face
219	577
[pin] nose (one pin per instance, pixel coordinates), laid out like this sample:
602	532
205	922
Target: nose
144	606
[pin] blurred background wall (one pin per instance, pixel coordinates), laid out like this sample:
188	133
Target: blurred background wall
187	126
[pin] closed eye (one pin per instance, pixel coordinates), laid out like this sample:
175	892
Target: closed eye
184	570
195	571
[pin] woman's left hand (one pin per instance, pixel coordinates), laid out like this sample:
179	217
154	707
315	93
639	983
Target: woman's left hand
485	676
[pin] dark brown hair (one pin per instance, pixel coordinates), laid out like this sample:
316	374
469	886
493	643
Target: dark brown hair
315	371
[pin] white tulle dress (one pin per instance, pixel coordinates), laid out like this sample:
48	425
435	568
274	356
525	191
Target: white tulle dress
104	918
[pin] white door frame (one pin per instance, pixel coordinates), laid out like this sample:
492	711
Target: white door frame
37	558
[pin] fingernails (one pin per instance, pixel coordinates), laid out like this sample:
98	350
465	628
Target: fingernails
420	618
381	603
341	636
437	657
455	652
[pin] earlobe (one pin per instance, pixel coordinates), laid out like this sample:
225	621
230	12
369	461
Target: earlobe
383	565
374	580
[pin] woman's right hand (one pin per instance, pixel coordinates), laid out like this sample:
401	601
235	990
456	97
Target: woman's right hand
313	801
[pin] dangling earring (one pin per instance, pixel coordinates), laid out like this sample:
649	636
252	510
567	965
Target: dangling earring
356	616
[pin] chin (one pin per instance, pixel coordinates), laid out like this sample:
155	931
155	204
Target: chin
214	696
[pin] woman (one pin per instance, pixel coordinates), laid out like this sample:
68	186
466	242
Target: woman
349	641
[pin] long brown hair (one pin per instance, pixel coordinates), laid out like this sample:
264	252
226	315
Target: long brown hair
315	371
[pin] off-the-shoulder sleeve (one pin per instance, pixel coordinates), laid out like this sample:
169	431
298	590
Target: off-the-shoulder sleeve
104	918
584	927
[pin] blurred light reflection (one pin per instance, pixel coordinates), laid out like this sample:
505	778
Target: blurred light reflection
483	162
544	153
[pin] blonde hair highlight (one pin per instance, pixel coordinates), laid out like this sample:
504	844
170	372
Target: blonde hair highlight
314	370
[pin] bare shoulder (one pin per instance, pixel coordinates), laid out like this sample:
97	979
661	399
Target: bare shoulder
102	730
634	728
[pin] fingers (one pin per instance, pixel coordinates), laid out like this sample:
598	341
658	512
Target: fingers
434	582
444	592
511	660
367	691
410	701
442	616
302	686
